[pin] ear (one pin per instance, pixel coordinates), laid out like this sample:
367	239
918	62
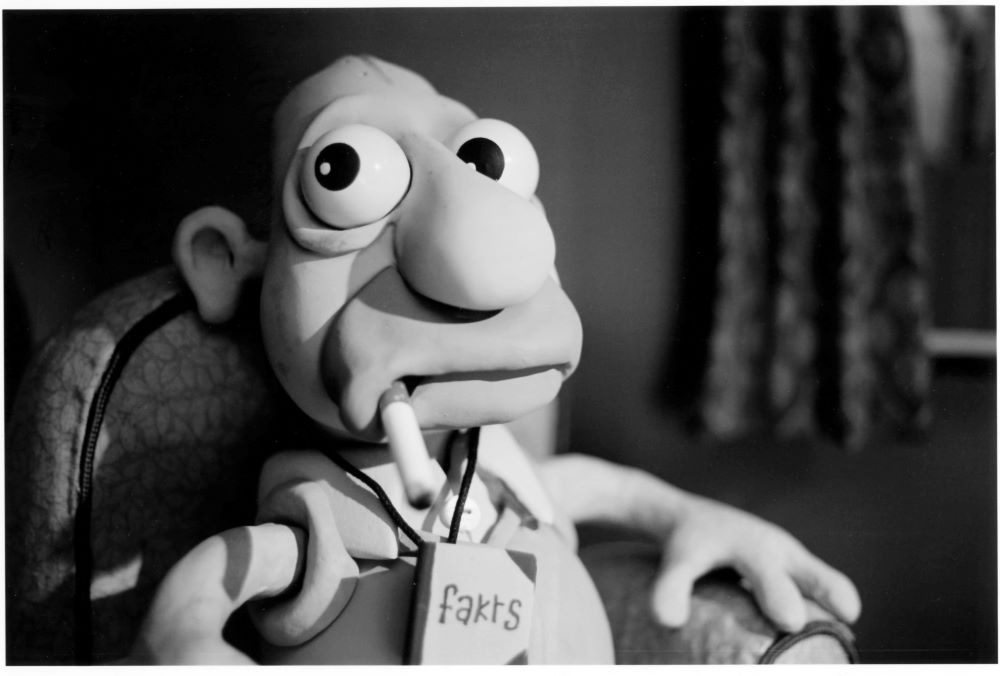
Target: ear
216	255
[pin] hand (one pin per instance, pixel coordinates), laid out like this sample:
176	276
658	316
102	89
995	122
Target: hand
184	623
780	571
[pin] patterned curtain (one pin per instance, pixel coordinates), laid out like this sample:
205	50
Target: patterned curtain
820	304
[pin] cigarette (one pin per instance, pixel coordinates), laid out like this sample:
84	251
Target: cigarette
406	443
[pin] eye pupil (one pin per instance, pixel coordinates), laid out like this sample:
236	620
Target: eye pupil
337	165
485	155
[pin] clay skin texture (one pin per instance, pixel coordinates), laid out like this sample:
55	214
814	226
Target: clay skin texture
452	289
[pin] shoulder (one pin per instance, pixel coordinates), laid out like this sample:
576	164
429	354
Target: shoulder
366	529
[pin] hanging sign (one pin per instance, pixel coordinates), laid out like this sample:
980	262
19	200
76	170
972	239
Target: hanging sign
473	604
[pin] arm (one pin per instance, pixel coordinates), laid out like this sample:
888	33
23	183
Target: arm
300	575
194	601
699	535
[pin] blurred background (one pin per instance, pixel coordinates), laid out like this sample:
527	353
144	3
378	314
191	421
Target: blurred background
778	227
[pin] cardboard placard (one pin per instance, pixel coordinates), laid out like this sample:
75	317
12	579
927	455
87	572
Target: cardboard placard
472	604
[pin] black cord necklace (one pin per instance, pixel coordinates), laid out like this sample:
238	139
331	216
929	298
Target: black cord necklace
383	498
463	489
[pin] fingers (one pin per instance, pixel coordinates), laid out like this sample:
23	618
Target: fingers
330	574
830	588
777	595
195	599
671	598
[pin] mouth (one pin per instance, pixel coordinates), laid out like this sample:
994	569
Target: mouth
461	370
461	400
417	385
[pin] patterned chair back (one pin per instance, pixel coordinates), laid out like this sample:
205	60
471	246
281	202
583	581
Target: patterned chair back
137	432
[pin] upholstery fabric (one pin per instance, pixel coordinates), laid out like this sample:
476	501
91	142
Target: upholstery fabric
181	443
725	626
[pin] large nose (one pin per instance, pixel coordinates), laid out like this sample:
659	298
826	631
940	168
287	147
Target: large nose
465	240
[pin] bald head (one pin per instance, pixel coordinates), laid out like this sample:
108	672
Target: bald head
346	76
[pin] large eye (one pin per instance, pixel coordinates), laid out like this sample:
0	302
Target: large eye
499	150
353	176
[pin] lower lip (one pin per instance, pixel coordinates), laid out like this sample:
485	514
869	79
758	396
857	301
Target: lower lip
473	399
413	383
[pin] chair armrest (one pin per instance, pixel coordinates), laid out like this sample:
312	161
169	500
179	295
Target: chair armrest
725	626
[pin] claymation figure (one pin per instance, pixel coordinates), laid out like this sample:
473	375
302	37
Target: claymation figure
411	308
